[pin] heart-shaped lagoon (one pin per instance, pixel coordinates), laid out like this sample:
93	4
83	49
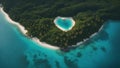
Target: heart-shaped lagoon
64	23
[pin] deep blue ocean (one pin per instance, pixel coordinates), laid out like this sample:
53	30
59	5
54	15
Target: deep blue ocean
100	51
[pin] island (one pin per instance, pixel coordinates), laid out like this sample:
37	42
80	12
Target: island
38	16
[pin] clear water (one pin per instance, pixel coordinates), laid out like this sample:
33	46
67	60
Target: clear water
101	51
65	24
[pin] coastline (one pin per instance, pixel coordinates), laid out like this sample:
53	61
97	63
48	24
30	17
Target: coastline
87	39
44	44
22	28
24	31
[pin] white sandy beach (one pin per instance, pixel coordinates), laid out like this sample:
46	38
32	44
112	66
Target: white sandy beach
24	31
73	23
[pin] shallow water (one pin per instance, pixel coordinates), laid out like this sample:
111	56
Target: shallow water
64	24
101	51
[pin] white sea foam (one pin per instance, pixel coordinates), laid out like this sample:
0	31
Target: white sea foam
24	31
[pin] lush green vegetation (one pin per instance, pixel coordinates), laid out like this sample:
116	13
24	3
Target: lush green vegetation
37	16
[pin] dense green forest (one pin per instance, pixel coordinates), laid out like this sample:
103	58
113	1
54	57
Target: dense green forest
37	16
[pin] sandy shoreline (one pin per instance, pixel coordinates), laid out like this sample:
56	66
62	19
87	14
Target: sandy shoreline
24	31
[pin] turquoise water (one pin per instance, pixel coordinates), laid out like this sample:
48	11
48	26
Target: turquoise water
65	24
101	51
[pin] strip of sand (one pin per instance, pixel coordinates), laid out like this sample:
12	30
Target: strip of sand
24	31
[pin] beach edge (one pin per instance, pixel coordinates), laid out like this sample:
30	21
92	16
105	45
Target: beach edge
24	31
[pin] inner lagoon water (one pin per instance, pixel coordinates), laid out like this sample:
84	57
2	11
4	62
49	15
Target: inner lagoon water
64	23
18	51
